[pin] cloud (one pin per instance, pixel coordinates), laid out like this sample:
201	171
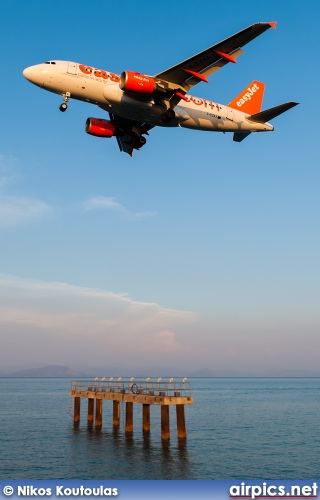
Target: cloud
43	323
59	322
110	203
15	210
7	171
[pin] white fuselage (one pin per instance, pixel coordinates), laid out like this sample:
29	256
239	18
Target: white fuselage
99	87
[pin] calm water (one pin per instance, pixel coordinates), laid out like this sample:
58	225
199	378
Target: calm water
237	428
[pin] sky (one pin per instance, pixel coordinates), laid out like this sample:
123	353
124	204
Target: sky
198	252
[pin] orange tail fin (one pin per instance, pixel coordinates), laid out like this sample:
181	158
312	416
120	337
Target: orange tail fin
250	99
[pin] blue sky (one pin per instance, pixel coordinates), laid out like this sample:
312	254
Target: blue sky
198	252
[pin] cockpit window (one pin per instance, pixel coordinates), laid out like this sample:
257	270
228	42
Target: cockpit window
50	62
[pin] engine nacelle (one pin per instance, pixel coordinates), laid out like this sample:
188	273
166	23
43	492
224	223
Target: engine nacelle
99	127
130	81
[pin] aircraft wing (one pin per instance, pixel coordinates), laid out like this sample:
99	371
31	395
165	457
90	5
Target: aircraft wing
191	71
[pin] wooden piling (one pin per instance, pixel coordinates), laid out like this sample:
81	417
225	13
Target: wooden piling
165	422
181	422
90	410
98	422
129	417
116	413
76	413
146	418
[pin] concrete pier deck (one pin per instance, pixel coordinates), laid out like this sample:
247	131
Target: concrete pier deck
146	393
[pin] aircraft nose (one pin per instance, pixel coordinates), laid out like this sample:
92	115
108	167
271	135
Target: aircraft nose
27	73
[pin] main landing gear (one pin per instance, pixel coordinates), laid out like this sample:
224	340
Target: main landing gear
168	115
139	142
64	105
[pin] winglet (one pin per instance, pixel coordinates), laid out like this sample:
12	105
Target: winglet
273	24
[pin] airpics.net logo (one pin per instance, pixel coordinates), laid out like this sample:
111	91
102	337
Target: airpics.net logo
266	490
60	491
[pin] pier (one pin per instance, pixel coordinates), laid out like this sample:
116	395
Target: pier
130	392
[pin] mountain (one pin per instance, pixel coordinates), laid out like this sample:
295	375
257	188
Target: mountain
52	371
57	371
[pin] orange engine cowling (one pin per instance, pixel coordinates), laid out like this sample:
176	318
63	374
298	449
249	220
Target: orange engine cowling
130	81
99	127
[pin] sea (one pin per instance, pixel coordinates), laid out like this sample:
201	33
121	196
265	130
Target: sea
266	428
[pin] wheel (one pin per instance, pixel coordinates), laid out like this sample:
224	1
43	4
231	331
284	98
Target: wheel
139	142
142	141
168	115
63	107
164	118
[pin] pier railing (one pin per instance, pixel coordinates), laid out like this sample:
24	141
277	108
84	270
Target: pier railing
133	386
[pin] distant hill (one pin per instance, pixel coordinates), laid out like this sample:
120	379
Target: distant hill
292	373
52	371
57	371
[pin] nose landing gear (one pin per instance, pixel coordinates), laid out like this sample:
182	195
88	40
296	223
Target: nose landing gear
64	105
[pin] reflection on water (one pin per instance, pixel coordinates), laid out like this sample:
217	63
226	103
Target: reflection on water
175	460
115	432
126	455
182	452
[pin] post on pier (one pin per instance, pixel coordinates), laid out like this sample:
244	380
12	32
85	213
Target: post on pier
98	422
116	413
129	417
90	410
76	413
181	422
146	418
165	422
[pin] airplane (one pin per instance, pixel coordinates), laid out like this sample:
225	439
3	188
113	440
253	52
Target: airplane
136	102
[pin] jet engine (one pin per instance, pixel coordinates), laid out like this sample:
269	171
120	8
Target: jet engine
99	127
130	81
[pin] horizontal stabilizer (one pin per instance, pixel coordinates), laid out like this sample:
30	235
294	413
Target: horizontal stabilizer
269	114
239	136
